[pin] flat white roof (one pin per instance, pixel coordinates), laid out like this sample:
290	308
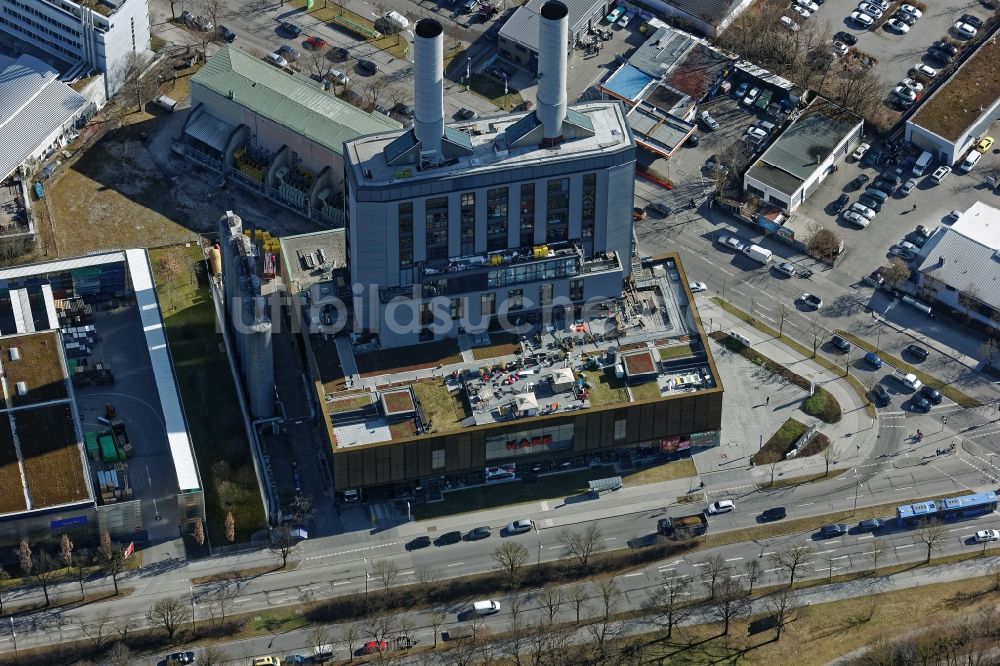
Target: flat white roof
159	357
981	223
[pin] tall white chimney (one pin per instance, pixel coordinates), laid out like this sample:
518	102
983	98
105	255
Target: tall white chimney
428	84
553	40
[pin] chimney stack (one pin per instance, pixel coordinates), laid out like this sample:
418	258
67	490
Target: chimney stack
428	84
553	40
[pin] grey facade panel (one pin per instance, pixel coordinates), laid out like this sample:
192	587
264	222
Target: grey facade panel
617	220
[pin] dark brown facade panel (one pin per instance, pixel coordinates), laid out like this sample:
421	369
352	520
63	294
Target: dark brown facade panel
660	417
452	457
607	429
368	473
673	424
633	424
341	477
647	423
396	466
355	469
477	449
593	431
383	455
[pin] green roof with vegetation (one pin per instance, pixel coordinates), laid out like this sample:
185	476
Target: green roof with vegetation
288	99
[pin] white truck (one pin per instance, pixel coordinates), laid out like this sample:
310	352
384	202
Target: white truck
907	379
758	253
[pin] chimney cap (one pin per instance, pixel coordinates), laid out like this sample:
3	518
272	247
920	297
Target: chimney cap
428	28
554	10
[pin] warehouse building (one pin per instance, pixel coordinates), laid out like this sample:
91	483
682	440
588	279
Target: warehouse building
274	132
451	228
38	114
819	136
518	37
93	36
91	406
960	111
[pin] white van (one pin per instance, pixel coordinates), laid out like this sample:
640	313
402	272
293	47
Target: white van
323	652
970	161
922	163
487	607
739	337
758	253
398	20
168	104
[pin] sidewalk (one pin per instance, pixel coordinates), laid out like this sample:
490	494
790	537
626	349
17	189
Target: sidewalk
853	436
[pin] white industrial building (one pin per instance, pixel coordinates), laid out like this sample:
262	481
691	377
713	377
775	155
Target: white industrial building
274	132
803	155
38	113
507	214
964	258
961	110
96	36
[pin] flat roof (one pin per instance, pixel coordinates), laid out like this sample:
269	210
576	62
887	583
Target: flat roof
966	96
522	26
33	105
52	456
290	100
37	361
490	151
656	129
496	376
303	256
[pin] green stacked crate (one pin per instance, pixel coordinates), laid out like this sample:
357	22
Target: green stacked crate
90	438
108	450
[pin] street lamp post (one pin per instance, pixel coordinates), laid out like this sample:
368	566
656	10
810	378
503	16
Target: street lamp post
194	607
538	534
14	636
856	489
365	560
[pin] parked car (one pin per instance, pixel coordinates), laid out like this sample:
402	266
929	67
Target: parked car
880	396
908	19
498	73
751	96
288	53
964	30
337	76
925	70
276	59
315	43
449	538
732	242
908	186
862	19
789	23
695	287
870	201
660	209
862	209
709	121
856	218
940	173
974	21
180	658
290	29
870	9
785	268
839	204
859	182
911	10
478	533
187	17
984	144
467	114
374	647
812	7
840	344
368	67
638	213
519	526
846	38
839	49
946	47
418	543
227	35
722	506
905	94
811	300
774	513
859	152
919	403
932	394
898	26
983	536
873	360
832	530
741	90
870	525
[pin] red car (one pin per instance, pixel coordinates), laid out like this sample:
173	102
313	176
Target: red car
371	647
315	43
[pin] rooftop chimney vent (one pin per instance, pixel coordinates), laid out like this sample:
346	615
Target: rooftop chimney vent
553	41
428	84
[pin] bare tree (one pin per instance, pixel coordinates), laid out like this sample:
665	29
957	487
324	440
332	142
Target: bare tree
715	569
302	507
169	614
753	572
65	550
46	571
989	349
830	456
319	637
816	330
119	655
372	91
824	244
510	558
317	62
198	532
610	594
125	626
350	636
426	575
436	620
213	655
932	534
849	358
783	313
24	558
551	600
230	527
97	630
606	630
577	596
969	299
582	545
113	562
80	564
386	572
213	10
730	603
874	555
792	559
4	577
896	272
667	602
781	606
773	467
283	544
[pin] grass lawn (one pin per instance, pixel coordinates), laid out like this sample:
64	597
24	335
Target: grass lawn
676	351
822	632
38	367
677	469
444	410
501	344
777	445
822	405
51	455
551	486
605	388
493	90
794	481
802	349
947	390
11	489
402	359
645	391
396	45
208	394
348	404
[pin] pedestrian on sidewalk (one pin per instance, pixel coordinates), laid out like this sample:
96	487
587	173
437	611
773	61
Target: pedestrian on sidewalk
768	401
914	207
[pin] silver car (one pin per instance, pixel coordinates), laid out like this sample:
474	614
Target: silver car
862	209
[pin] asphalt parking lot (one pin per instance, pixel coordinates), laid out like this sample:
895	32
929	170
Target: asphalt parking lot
868	248
897	53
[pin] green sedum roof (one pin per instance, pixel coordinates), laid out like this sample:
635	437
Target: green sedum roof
290	100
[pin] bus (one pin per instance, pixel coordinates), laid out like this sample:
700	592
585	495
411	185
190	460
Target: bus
910	515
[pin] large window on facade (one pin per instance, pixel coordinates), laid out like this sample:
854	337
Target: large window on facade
436	228
532	272
576	290
515	299
588	212
457	308
527	214
496	219
467	217
545	295
488	304
557	210
406	243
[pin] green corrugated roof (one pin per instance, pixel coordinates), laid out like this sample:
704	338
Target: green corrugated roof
289	100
